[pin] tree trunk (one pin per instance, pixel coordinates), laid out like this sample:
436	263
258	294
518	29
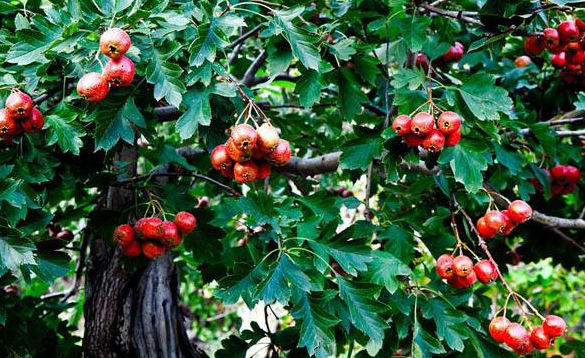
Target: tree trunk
132	314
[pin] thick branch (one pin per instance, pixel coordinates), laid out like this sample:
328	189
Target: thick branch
253	69
453	14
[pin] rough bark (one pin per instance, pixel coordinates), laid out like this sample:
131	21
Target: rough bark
132	314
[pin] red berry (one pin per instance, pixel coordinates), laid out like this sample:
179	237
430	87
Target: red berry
422	61
93	87
519	211
462	266
574	55
267	138
536	183
510	225
244	137
236	154
522	61
19	105
485	231
449	122
120	72
422	124
114	43
123	235
559	173
434	142
281	154
486	271
534	45
568	77
220	158
171	236
551	38
580	25
516	336
264	170
572	174
498	327
150	228
8	126
228	173
401	124
34	123
525	348
445	266
412	140
554	326
568	31
567	189
152	250
454	53
462	282
185	221
245	172
495	220
132	250
452	139
540	339
558	60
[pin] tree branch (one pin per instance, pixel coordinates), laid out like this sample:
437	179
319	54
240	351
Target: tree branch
453	14
253	69
245	36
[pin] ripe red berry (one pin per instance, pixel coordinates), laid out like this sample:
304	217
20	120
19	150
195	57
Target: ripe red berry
551	38
462	282
449	122
455	52
516	336
554	326
462	266
123	235
422	61
486	271
485	231
412	140
34	123
580	25
568	31
236	154
267	138
152	250
453	139
245	172
185	221
8	126
220	158
572	174
568	77
519	211
558	60
422	124
434	142
510	225
228	173
120	72
522	61
65	235
244	137
401	124
495	220
498	327
281	154
114	43
534	45
171	237
132	250
19	105
559	173
93	87
525	348
539	338
574	55
445	266
264	170
150	228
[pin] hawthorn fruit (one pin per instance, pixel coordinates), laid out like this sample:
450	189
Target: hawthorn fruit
498	327
34	123
119	72
444	266
281	154
152	250
519	211
401	124
244	137
150	228
540	339
422	124
124	235
554	326
462	266
267	138
486	271
449	122
132	250
93	87
185	222
245	172
114	43
19	105
8	126
517	337
495	220
220	159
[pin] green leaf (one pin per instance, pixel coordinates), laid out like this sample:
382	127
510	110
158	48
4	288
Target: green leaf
411	77
15	252
232	347
352	256
580	102
414	31
63	130
300	44
350	97
384	270
309	87
449	322
198	112
343	49
467	165
165	76
511	160
359	153
367	68
316	333
363	311
241	286
425	345
483	98
51	265
276	286
278	60
400	243
212	36
108	134
31	47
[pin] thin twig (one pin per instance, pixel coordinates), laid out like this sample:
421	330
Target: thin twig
139	178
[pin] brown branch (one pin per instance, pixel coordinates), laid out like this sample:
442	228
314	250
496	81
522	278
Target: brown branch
244	37
453	14
253	69
569	240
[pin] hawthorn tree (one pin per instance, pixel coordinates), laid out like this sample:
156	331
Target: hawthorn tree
345	237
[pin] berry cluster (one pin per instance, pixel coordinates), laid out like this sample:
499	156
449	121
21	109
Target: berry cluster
19	114
515	336
453	54
118	72
460	272
152	236
496	222
249	153
566	44
422	130
563	178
